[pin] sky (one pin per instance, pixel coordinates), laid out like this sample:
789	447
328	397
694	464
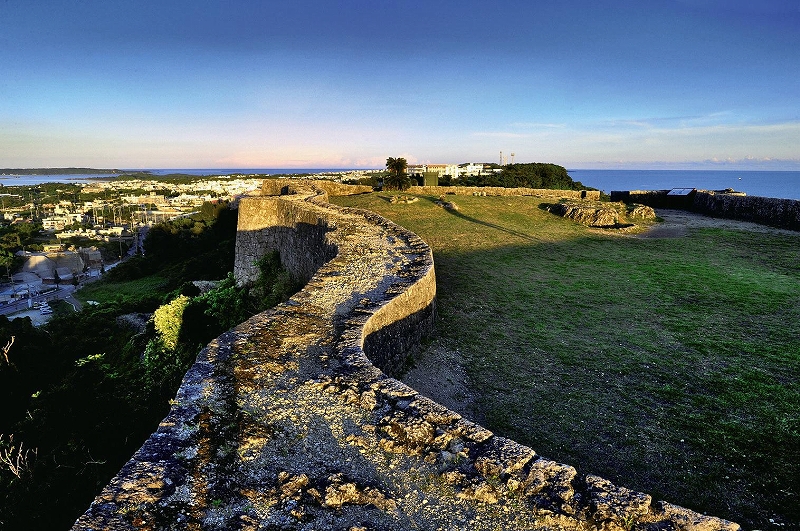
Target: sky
644	84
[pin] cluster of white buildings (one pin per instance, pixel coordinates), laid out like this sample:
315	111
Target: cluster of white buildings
107	220
181	194
455	171
109	216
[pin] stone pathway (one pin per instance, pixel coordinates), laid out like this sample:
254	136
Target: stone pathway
677	223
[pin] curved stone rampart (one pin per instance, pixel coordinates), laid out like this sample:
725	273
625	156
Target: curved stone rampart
783	213
287	421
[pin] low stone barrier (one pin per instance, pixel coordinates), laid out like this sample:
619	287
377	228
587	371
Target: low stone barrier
593	195
781	213
274	187
290	421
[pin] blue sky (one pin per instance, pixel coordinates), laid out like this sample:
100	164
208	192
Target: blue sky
348	83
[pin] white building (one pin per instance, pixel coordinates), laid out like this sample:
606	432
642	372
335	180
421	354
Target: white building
441	169
61	221
473	168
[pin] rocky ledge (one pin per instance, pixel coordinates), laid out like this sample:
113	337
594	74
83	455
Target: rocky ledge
603	215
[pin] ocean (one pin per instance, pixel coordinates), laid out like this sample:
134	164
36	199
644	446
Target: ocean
782	184
32	180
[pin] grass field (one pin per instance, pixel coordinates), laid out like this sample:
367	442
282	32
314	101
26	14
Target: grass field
670	366
105	292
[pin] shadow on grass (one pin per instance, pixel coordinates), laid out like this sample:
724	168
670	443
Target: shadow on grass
456	213
589	352
633	359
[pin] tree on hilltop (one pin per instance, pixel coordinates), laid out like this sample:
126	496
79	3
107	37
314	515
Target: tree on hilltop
398	179
529	175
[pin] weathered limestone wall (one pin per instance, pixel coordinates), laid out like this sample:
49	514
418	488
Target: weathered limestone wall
592	195
286	422
285	186
278	186
298	231
782	213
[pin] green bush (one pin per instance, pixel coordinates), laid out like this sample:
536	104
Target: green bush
168	319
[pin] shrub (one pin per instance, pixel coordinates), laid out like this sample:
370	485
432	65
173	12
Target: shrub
168	319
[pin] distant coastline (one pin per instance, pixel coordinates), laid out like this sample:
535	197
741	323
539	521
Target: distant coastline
778	184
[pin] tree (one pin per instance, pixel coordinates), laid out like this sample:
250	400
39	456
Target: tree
7	261
398	179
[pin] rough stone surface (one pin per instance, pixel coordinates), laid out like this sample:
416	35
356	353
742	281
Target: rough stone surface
587	214
602	215
641	212
449	205
289	421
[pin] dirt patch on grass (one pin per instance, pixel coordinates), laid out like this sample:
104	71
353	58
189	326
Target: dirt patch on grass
439	374
677	223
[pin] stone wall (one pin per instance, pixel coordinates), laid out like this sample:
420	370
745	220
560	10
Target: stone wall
782	213
273	187
593	195
278	186
284	224
290	421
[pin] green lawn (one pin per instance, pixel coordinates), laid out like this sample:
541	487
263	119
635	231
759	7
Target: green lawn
104	292
670	366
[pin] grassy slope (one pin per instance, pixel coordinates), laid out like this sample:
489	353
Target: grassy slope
105	292
670	366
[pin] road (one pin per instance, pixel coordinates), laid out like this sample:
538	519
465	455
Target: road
20	308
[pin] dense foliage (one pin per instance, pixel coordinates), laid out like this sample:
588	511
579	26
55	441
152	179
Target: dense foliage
82	393
531	175
14	238
198	247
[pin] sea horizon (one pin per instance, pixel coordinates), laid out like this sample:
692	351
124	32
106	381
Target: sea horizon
784	184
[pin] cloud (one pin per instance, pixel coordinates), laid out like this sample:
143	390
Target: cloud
683	121
627	143
499	134
537	125
763	162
